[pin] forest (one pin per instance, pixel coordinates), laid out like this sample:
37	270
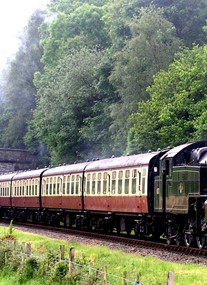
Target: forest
96	78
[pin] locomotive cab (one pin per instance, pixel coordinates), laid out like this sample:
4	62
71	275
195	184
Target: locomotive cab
183	193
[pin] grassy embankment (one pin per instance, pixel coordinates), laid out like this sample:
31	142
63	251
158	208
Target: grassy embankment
153	271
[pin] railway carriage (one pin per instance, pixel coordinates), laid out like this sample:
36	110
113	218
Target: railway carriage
117	191
25	194
62	193
5	193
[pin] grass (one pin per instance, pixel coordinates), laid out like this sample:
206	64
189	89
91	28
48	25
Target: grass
153	271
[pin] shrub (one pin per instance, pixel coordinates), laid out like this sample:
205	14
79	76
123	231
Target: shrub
29	269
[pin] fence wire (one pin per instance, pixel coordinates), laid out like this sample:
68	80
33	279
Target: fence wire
92	276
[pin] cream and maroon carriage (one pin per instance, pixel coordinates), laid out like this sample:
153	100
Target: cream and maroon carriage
25	194
117	191
5	194
62	193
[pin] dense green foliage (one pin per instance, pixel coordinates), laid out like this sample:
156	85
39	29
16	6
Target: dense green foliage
103	77
183	93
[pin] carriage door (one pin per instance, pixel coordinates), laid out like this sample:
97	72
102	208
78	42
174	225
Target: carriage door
160	186
157	194
107	189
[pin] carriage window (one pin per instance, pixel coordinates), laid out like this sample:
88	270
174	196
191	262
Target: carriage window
113	184
88	183
126	183
72	185
54	185
134	180
35	190
99	184
143	185
58	188
139	181
105	182
58	185
64	178
50	186
77	185
93	183
47	186
68	185
120	180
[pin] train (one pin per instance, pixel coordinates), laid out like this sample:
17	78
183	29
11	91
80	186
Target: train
154	195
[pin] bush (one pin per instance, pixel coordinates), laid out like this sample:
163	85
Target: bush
29	269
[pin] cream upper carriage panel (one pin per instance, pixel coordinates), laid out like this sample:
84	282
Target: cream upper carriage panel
27	183
127	175
63	180
5	184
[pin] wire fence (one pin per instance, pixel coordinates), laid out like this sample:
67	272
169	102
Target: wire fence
80	273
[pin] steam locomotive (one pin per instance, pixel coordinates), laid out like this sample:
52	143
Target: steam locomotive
155	194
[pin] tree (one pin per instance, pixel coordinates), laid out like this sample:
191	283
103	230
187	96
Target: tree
150	49
82	27
69	108
182	93
19	90
189	17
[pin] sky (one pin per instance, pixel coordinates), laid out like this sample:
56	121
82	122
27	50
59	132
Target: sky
14	16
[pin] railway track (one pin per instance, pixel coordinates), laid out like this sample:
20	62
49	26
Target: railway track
121	239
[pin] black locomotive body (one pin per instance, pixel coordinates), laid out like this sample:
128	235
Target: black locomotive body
154	195
181	193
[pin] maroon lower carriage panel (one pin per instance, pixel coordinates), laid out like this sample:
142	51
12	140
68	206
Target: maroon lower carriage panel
133	204
26	202
64	202
5	202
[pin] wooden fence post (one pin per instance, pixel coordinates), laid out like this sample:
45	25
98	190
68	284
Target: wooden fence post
71	260
170	278
23	250
15	248
29	249
138	280
62	252
97	275
105	276
89	275
15	245
124	278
